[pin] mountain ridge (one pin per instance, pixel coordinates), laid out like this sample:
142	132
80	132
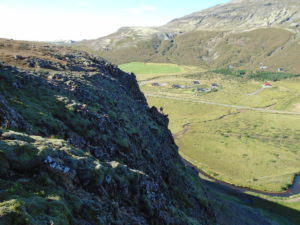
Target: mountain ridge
235	21
242	15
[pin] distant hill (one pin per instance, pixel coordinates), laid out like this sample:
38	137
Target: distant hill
241	15
241	33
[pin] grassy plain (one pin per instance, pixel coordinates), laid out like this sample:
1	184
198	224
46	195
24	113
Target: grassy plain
254	149
150	68
246	148
146	71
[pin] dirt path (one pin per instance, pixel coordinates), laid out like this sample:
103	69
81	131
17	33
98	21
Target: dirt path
255	92
220	117
186	126
282	47
263	110
249	94
183	132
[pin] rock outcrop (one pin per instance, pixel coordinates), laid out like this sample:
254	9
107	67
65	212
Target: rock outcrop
241	15
79	145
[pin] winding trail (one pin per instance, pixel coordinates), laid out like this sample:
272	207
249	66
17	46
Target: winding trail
183	132
249	94
263	110
255	92
186	126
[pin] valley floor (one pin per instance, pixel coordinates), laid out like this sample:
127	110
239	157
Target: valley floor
239	133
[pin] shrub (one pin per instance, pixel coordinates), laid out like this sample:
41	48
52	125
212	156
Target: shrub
274	76
237	73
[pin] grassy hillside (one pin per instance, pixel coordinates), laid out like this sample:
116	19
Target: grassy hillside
76	145
243	34
272	47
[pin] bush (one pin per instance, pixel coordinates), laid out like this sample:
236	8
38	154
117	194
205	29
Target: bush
274	76
231	72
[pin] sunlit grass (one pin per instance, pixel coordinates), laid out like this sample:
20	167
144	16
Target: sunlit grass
245	148
145	71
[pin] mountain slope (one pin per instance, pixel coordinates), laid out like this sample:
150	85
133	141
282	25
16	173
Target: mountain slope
125	37
240	33
241	15
79	145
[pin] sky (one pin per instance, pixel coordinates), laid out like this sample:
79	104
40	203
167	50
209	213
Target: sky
52	20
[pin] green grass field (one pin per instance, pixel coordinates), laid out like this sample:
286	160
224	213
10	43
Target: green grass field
254	149
147	68
251	149
146	71
244	147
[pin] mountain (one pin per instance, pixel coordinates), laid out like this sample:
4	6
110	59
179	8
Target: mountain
80	146
242	15
243	34
124	37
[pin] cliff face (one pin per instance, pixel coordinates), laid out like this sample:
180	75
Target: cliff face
79	145
241	15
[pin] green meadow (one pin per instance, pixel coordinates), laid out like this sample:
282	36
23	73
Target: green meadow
146	71
245	148
255	149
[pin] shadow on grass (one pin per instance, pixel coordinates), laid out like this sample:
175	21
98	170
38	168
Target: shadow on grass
276	211
280	212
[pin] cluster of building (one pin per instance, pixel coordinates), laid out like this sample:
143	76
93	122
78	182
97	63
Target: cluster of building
264	67
213	86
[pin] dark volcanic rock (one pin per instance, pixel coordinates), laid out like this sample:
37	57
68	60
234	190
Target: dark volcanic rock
9	118
79	145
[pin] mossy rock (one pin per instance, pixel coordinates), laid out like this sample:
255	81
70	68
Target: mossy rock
12	212
19	154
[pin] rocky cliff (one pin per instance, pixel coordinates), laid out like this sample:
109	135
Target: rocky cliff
241	15
79	145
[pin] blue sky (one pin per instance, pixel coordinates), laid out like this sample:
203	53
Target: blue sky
48	20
